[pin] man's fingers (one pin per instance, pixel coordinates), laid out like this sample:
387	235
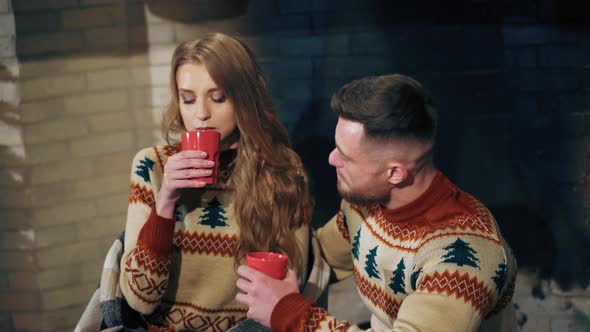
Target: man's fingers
291	275
249	273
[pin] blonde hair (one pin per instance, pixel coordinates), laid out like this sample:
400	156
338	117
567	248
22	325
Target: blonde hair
271	192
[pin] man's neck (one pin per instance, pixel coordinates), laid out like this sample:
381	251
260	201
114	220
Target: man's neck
401	196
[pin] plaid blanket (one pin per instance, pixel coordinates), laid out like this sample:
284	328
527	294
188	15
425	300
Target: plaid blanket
107	310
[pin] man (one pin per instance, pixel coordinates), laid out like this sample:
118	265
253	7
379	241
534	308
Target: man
425	255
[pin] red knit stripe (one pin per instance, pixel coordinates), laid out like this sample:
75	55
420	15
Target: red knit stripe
206	243
195	307
339	326
315	316
141	194
143	284
377	235
341	226
160	162
191	321
171	149
156	235
376	295
415	231
289	313
457	234
461	286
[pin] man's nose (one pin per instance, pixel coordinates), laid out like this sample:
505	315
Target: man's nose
333	158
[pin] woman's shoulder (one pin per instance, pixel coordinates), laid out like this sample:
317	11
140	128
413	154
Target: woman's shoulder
155	154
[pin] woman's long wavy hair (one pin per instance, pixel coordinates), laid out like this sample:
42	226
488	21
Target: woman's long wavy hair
271	191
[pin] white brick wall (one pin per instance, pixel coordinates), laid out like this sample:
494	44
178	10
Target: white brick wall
65	213
52	86
6	24
105	79
50	42
77	19
22	239
62	170
54	320
102	144
55	130
5	6
96	102
71	144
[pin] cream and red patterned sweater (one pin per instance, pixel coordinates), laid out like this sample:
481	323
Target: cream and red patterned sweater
180	272
437	264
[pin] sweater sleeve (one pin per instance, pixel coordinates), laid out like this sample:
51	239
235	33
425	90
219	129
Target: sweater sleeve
294	313
334	241
453	293
459	280
148	239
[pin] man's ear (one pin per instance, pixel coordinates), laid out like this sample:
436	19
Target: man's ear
398	173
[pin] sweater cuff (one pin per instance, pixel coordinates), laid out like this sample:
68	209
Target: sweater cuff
289	313
156	234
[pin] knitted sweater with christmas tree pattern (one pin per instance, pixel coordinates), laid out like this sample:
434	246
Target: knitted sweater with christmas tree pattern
438	264
180	272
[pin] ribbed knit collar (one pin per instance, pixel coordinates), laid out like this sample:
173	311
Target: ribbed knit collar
439	189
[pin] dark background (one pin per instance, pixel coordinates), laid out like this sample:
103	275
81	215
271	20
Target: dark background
511	83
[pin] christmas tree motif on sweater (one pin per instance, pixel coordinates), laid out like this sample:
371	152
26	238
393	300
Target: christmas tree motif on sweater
500	277
355	244
397	280
144	168
214	215
370	265
460	253
179	213
414	278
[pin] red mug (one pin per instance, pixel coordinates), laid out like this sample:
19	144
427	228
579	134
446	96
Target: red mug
206	140
271	263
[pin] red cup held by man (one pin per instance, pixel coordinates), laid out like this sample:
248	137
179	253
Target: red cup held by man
206	140
270	263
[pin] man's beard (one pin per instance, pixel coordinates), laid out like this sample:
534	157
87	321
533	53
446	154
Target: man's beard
362	198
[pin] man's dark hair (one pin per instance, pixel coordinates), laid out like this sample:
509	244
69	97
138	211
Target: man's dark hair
389	107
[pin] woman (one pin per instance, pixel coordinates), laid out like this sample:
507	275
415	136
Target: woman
183	238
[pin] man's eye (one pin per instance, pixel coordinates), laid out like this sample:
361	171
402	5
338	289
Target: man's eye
188	101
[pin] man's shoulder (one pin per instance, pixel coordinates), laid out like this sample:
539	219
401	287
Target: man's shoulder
466	215
470	206
356	210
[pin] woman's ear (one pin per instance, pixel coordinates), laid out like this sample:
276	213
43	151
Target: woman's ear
398	173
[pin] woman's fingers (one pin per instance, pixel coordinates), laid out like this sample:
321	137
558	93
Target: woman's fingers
188	154
188	173
187	161
179	184
183	170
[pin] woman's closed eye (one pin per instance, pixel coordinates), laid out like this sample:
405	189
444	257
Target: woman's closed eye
188	100
218	98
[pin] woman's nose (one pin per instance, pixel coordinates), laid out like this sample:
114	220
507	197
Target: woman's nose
202	112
